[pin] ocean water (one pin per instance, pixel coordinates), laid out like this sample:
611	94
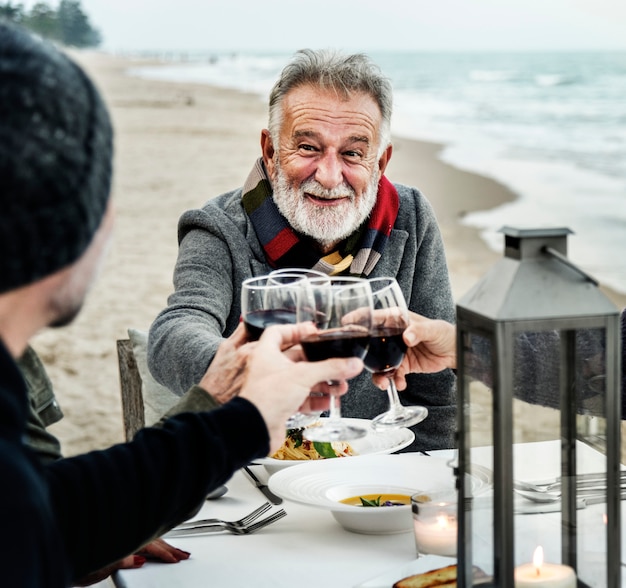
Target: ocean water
550	126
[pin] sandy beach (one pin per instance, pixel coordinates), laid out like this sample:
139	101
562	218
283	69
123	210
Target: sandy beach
178	145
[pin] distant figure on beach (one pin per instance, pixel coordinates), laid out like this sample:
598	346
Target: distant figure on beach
65	519
316	198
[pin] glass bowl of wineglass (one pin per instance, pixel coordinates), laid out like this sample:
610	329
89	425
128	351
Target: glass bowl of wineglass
341	309
387	350
272	300
298	271
268	300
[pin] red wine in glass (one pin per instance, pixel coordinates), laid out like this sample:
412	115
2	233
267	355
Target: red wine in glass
257	320
336	343
386	350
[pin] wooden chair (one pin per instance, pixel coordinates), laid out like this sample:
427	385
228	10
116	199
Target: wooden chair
144	400
131	389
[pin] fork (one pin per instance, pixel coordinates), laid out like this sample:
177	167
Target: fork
228	526
255	514
584	495
583	480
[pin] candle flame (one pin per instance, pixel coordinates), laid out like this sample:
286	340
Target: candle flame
538	559
442	521
605	519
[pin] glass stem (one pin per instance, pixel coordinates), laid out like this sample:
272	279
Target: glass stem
392	393
335	407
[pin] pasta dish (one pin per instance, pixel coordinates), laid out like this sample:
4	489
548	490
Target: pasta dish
296	447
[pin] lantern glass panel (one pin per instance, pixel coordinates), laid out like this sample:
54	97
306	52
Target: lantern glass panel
559	383
557	377
478	414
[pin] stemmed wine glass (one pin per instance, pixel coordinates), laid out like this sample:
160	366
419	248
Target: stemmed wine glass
341	308
298	271
387	349
272	300
267	300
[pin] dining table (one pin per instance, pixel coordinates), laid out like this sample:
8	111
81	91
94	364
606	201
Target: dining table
309	549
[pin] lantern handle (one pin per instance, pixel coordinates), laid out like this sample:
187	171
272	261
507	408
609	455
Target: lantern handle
562	258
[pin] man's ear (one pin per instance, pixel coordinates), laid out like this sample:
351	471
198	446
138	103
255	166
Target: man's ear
267	150
384	159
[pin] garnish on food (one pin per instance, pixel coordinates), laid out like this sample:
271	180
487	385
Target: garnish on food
378	500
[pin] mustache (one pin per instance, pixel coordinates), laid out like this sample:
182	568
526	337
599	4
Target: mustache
316	189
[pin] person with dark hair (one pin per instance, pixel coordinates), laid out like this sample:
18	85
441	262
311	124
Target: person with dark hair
317	198
73	516
44	411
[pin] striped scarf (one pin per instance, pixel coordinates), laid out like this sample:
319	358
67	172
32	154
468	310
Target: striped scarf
284	247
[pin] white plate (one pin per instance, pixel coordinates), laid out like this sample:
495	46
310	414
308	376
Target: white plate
374	443
314	483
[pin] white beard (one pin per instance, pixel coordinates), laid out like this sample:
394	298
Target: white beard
328	225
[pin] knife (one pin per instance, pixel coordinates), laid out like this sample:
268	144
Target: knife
263	487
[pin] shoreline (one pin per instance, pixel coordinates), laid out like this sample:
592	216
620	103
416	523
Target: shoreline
178	145
454	192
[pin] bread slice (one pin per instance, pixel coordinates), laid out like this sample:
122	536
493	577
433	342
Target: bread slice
442	577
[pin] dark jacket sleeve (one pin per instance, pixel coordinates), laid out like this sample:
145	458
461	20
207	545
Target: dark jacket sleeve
44	409
109	503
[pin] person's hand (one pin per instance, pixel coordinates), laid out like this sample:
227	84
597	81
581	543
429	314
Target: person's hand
431	348
225	374
160	550
157	550
278	382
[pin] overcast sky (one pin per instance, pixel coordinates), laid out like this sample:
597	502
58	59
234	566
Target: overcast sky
358	24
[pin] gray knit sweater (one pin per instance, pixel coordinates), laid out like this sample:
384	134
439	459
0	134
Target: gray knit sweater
218	249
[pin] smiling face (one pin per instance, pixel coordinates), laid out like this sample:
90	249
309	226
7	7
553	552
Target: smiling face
326	167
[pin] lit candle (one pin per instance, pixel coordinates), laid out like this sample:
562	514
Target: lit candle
544	575
437	534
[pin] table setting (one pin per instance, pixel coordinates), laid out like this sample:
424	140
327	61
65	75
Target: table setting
323	550
356	513
307	542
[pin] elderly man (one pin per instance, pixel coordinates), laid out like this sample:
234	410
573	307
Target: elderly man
317	198
72	516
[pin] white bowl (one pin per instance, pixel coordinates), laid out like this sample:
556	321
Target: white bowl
370	520
322	484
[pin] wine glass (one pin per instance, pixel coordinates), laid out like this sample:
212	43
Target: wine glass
298	271
271	300
387	349
268	300
341	308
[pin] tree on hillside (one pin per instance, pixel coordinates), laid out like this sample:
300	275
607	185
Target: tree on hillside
43	20
68	24
12	13
74	26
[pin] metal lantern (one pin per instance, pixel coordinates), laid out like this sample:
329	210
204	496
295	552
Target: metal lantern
538	388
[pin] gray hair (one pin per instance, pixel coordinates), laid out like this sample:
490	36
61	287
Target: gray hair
345	74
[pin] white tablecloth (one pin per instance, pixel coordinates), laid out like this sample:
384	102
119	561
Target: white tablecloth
307	548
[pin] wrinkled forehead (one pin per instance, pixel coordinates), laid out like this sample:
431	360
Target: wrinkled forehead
307	108
329	95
